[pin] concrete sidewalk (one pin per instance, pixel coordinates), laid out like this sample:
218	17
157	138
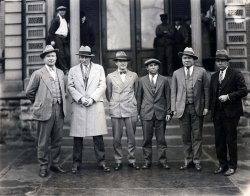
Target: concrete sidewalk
19	175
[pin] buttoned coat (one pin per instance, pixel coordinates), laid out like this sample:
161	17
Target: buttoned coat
39	91
122	95
200	87
149	103
91	120
232	85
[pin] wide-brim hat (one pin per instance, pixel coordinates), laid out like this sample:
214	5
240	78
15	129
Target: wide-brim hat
85	51
222	54
152	60
48	49
188	51
121	55
61	8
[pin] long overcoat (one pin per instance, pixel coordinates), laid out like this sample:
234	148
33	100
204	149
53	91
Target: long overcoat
87	121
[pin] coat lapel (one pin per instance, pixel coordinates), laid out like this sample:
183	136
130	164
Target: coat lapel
46	78
183	77
159	82
148	84
118	79
60	79
226	78
79	76
195	75
93	72
128	79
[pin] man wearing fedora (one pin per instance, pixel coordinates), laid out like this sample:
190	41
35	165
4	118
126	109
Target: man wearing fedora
87	85
226	91
121	90
190	102
153	103
59	38
46	90
164	45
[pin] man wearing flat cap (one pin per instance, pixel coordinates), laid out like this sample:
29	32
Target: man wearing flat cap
153	103
59	38
190	102
121	90
86	86
164	45
46	90
226	91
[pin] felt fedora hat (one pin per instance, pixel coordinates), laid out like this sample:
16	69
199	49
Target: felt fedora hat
48	49
152	60
188	51
222	55
85	51
121	55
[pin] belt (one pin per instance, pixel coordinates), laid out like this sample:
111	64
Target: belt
61	36
57	101
188	103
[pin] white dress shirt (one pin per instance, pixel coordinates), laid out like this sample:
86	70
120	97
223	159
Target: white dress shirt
191	69
153	78
52	71
63	28
223	73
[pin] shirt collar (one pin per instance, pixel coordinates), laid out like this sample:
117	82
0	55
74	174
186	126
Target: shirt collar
49	67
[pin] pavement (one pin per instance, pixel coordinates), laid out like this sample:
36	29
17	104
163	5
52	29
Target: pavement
19	172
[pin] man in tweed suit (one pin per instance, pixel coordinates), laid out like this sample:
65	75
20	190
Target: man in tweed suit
46	91
153	101
121	89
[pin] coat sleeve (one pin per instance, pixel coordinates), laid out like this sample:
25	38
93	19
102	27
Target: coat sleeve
139	96
206	85
136	84
32	87
53	28
241	88
75	94
168	96
109	88
174	89
100	90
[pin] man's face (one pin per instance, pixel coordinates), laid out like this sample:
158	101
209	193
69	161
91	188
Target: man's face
121	64
221	64
50	59
84	60
153	68
62	12
187	61
177	22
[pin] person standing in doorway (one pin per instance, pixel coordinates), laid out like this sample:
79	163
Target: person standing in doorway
87	35
46	90
190	102
121	91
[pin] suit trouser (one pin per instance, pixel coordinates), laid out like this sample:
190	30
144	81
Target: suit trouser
149	126
63	53
226	139
191	126
165	55
117	128
98	148
50	129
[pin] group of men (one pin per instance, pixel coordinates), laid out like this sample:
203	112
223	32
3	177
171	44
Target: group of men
150	98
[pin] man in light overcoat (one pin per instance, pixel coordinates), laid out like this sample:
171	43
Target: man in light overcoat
87	85
189	102
46	90
121	90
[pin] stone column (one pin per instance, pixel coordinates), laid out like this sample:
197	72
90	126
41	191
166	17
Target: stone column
220	24
50	11
74	31
196	28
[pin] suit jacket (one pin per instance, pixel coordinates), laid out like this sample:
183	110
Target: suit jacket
200	87
122	96
39	91
233	85
149	103
87	121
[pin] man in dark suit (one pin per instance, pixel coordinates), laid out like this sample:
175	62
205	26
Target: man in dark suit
121	90
59	38
153	103
226	91
46	91
190	102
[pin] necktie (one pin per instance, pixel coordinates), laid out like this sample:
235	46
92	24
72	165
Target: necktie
53	73
123	72
220	77
188	72
152	80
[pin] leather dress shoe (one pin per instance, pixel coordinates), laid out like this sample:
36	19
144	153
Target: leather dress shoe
146	166
219	170
118	166
229	172
164	166
134	166
43	173
197	167
105	168
186	166
57	169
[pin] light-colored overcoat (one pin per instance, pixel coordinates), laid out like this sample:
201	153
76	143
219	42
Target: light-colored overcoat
122	95
201	85
39	91
87	121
